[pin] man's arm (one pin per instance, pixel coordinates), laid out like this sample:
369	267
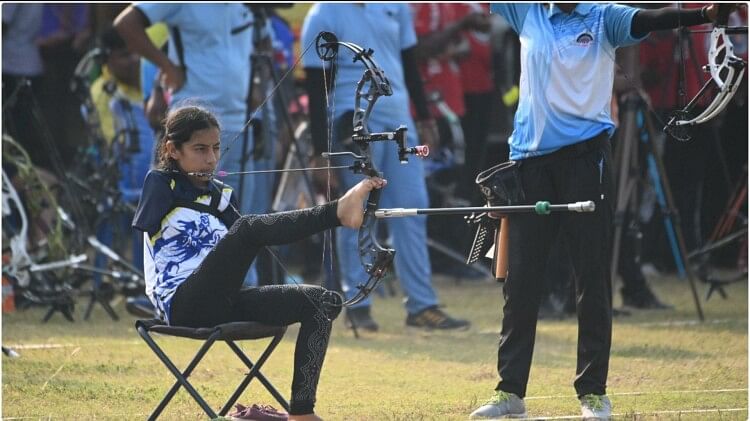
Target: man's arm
434	43
646	21
414	82
426	126
131	24
315	84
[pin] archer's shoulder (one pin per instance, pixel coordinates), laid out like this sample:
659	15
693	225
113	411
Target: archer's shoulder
159	179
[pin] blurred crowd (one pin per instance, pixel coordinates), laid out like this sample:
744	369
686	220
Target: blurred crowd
84	95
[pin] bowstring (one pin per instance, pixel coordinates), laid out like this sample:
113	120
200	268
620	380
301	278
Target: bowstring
681	93
287	274
327	234
270	95
331	113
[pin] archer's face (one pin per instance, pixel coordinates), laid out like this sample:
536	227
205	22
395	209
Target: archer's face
199	154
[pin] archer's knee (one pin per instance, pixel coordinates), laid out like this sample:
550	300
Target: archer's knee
325	301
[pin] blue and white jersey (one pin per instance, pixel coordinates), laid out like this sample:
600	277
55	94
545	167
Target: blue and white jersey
181	224
567	72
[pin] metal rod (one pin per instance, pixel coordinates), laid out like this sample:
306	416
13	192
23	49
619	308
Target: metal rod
289	170
541	208
742	30
224	173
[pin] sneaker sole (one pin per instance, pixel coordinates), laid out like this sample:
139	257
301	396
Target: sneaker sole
411	328
508	416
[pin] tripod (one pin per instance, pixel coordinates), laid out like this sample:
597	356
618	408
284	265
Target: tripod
638	128
722	235
289	189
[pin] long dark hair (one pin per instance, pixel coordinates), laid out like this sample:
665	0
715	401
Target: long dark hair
179	126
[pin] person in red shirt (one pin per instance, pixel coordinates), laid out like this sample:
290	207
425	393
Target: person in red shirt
445	33
478	82
439	32
445	39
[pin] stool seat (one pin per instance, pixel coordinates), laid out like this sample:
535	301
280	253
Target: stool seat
227	333
234	331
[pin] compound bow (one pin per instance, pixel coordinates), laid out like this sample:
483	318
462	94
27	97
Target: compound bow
374	258
727	71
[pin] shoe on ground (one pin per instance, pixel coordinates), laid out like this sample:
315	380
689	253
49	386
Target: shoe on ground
501	405
258	413
434	318
361	319
644	299
596	407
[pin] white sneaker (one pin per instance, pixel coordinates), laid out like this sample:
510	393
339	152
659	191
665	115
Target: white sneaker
596	407
501	405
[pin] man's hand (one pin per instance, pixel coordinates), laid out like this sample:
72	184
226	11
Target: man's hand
428	133
172	77
156	106
477	21
712	11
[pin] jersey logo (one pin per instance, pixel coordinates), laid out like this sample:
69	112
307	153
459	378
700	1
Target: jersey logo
585	39
191	239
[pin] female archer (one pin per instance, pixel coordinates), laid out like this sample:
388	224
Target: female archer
198	249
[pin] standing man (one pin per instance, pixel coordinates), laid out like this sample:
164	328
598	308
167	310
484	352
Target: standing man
388	29
209	58
22	63
561	140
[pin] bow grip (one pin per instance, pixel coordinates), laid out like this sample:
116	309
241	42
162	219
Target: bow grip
372	201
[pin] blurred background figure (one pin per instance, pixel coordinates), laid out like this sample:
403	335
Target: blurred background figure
201	58
453	47
388	30
22	62
64	37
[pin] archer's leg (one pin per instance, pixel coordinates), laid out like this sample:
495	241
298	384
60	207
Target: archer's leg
589	239
282	305
213	285
531	237
220	275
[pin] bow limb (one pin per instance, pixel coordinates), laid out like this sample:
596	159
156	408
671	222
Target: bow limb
375	258
727	71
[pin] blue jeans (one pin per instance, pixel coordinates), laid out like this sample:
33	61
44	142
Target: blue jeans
105	233
231	161
406	188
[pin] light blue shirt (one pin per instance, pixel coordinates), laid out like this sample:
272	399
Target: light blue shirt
217	43
20	54
567	72
386	28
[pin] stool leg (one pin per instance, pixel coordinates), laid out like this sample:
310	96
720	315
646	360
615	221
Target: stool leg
255	372
181	377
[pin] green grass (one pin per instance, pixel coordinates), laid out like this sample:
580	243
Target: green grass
661	361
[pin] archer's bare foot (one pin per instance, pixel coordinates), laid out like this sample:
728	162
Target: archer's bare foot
350	210
305	417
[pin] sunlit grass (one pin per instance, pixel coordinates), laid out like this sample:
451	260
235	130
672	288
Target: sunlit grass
102	370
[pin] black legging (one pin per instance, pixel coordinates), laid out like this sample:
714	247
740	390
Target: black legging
211	295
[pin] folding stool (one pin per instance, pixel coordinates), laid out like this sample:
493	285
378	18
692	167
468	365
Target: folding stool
228	332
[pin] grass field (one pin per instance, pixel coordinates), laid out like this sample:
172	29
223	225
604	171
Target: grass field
664	365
